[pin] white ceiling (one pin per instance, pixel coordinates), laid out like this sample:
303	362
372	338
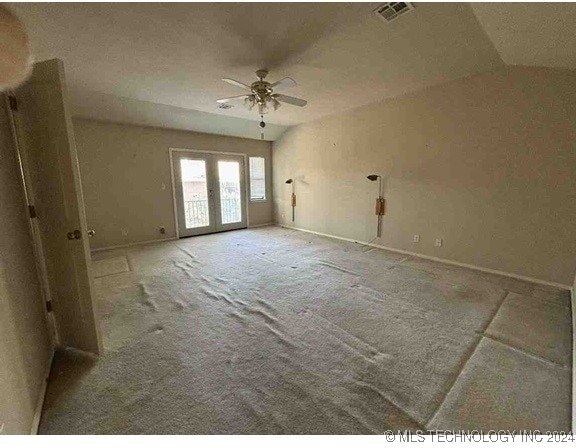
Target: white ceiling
341	55
101	106
533	34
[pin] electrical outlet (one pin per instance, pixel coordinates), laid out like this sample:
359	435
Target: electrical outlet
438	242
416	238
124	232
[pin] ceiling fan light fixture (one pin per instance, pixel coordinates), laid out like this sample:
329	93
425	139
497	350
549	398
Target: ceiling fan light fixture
250	102
261	94
262	108
274	102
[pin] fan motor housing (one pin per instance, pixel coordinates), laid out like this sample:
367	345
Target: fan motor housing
261	89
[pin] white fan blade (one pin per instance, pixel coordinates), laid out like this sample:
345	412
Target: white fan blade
284	83
231	98
236	83
291	100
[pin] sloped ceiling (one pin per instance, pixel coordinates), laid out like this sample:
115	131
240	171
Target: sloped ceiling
342	56
532	34
101	106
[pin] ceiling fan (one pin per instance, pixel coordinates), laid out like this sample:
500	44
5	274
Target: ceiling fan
261	93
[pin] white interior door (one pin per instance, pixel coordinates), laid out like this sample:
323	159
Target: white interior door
44	129
209	192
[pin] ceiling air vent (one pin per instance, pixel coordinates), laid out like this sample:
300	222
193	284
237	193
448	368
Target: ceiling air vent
225	106
392	10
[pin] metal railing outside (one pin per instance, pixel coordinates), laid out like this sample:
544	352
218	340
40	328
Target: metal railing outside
197	215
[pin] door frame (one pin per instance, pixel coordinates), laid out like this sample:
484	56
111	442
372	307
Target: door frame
171	151
33	228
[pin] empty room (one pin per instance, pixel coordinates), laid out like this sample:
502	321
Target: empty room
288	219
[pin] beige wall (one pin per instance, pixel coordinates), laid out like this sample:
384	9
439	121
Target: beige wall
486	163
24	341
127	182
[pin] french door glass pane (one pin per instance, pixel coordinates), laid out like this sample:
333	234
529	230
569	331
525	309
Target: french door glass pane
195	191
229	178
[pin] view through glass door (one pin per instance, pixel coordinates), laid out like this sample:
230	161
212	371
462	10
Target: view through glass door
210	192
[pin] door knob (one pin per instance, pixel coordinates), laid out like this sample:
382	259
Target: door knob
75	235
91	233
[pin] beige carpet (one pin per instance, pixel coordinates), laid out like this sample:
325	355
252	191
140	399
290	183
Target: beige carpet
110	266
283	332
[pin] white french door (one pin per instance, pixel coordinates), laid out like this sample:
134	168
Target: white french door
210	192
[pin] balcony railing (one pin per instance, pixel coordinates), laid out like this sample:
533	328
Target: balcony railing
230	209
197	215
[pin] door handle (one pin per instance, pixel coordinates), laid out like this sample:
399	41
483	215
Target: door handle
91	233
75	235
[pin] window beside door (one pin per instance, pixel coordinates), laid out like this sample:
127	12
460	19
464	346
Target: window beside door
257	178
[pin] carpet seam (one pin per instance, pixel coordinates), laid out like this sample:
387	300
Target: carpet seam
525	352
465	363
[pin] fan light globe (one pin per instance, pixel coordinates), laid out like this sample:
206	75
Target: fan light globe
15	60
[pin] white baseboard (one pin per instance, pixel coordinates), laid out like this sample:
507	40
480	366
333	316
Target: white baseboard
41	396
573	303
440	260
255	226
139	243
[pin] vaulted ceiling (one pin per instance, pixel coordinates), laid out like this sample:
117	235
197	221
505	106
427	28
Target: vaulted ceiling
533	34
341	55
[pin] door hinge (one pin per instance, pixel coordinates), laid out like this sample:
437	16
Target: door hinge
13	102
32	211
48	306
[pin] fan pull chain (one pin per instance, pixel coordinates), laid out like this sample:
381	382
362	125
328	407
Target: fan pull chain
262	125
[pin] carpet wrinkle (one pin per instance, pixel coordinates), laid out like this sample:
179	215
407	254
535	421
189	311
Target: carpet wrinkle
338	268
238	317
390	417
333	411
147	299
266	305
277	349
263	416
157	329
324	406
217	296
177	305
373	391
144	291
460	305
281	337
356	345
186	267
262	313
382	299
398	263
187	252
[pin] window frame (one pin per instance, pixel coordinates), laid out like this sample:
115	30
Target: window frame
257	199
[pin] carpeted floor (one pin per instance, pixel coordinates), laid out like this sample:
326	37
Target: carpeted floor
283	332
